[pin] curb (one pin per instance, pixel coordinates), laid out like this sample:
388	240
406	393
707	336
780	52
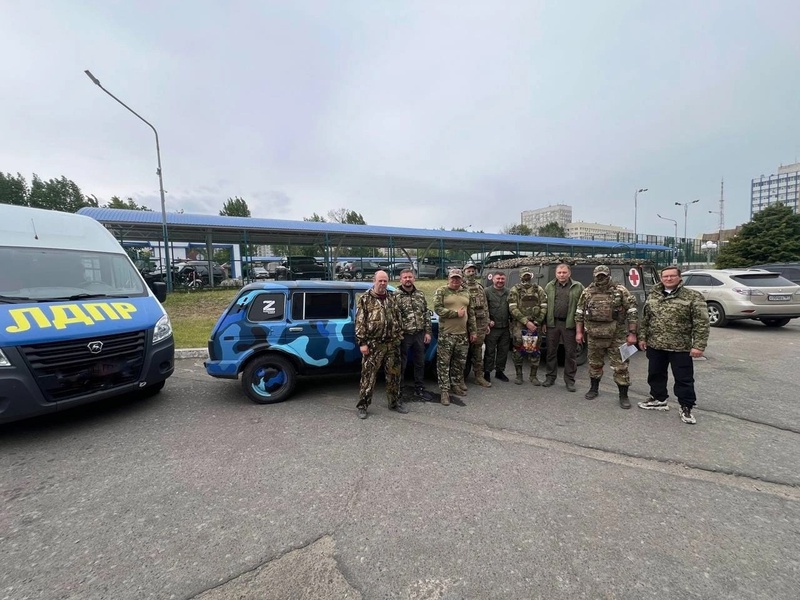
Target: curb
191	353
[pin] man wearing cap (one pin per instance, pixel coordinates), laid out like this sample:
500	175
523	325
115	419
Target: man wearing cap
457	330
527	304
608	317
562	301
477	298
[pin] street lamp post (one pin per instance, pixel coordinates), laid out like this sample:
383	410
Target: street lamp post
719	231
685	206
675	239
167	266
636	217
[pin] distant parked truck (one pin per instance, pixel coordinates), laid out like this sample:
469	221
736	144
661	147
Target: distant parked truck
300	267
435	267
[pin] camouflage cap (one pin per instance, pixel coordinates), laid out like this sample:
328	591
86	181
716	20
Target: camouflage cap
455	273
470	265
525	271
601	270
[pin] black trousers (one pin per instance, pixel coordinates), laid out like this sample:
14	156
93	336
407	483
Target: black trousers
416	343
682	371
561	334
498	342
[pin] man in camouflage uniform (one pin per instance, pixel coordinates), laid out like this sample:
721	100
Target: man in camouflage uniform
378	333
527	304
607	315
456	332
416	325
673	330
477	297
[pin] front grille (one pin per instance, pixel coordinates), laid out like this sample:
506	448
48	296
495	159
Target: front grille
66	370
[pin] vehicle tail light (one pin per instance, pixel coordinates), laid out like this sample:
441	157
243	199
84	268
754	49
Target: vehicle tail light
748	291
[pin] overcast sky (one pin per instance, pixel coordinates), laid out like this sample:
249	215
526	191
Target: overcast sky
427	113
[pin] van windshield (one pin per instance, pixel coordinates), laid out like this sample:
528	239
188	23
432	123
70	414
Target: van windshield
42	274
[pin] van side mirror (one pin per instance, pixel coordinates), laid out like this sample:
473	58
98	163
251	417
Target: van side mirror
159	290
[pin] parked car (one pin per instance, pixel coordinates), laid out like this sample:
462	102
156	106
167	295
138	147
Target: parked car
361	269
273	332
790	270
257	272
194	270
734	294
272	269
300	267
435	267
397	268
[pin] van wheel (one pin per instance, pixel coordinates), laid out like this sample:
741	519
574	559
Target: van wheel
438	274
269	379
775	322
716	315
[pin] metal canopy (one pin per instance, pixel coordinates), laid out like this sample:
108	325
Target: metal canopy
146	226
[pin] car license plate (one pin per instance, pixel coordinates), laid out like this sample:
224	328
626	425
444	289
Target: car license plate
779	297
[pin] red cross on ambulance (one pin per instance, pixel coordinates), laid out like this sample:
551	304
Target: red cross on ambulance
633	277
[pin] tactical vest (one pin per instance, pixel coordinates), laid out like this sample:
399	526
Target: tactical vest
478	299
602	313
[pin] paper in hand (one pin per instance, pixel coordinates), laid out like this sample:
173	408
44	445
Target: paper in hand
627	351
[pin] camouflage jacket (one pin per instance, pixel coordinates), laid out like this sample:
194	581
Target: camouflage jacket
414	312
676	321
376	321
623	309
449	321
477	298
527	303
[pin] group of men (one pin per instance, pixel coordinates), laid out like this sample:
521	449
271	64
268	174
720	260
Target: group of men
673	329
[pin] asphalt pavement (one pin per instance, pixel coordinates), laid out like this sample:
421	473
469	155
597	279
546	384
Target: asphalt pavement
525	492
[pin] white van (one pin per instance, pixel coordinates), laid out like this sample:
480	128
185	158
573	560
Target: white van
78	324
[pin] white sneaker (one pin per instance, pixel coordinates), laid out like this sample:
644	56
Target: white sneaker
653	404
686	415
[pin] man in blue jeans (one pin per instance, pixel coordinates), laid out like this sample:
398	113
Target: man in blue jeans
673	329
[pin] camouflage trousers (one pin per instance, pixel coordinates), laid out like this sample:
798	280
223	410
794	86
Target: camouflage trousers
475	356
600	348
451	356
385	355
516	356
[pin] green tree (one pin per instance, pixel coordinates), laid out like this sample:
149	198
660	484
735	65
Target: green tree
129	204
773	235
315	218
518	229
58	194
552	229
13	190
235	207
343	215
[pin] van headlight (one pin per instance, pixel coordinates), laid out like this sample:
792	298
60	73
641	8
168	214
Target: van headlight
162	330
4	362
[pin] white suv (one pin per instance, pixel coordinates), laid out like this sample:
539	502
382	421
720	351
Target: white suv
733	294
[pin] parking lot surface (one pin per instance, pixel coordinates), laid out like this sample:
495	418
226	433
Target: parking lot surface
524	492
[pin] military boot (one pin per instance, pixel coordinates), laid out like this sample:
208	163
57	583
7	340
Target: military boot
593	392
487	375
534	379
623	396
518	380
482	381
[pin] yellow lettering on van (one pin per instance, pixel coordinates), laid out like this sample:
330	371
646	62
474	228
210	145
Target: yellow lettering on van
124	309
61	317
22	322
94	310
